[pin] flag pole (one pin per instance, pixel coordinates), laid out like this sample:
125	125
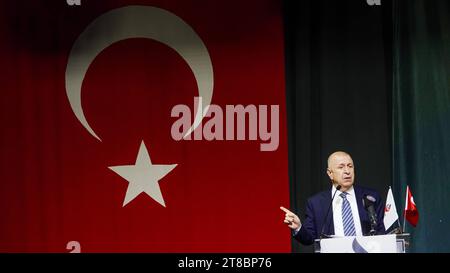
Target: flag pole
399	226
406	207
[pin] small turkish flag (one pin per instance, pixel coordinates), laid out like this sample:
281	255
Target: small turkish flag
411	212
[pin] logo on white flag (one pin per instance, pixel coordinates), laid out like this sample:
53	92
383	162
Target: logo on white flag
390	211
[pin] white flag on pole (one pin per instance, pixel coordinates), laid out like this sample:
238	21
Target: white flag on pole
390	211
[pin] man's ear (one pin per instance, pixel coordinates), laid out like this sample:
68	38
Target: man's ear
330	174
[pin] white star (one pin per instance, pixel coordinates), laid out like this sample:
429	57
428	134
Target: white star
143	176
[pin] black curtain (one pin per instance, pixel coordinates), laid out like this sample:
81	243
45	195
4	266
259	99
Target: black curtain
338	76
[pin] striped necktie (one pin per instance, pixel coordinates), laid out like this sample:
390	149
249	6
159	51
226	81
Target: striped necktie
347	217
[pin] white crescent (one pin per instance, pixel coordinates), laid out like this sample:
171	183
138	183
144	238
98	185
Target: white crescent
138	22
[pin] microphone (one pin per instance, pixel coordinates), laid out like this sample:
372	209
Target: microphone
322	235
368	202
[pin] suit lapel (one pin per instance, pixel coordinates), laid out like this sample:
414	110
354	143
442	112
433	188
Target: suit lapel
329	222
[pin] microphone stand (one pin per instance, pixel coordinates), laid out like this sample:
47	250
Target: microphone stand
372	231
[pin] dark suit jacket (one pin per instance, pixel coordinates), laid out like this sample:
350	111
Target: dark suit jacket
316	210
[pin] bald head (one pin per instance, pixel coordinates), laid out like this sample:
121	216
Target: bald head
340	169
336	155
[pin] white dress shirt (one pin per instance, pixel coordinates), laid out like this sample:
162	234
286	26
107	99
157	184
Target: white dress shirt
337	212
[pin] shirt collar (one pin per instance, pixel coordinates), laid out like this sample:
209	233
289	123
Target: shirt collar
350	191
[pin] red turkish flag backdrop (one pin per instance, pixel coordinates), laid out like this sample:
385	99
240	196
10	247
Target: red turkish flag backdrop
56	187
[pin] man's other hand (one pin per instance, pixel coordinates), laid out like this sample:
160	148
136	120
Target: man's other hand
290	219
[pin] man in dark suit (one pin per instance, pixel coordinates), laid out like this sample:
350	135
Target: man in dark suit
347	216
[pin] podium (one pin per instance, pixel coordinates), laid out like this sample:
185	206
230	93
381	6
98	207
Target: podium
390	243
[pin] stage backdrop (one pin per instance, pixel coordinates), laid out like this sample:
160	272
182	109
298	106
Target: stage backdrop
422	118
88	161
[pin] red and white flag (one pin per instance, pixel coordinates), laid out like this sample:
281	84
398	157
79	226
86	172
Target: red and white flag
88	160
390	210
411	213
